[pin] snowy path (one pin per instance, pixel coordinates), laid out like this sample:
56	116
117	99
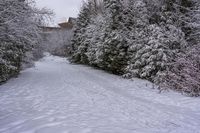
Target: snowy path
58	97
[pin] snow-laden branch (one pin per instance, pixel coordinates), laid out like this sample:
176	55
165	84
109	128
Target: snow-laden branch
186	8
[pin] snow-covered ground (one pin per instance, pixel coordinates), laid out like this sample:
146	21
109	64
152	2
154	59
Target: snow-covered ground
58	97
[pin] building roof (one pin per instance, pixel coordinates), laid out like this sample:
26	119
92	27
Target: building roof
63	25
66	25
69	24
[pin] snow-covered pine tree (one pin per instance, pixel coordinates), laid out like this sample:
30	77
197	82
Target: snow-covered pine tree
78	47
94	33
94	38
136	15
161	40
113	53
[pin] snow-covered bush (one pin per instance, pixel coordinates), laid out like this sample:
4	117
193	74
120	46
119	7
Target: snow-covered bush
10	58
19	35
183	75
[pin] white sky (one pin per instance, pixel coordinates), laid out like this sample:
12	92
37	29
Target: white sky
63	9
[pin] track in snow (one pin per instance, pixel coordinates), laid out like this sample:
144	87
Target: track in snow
58	97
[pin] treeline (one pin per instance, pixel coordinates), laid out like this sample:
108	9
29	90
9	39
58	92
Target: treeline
157	40
19	35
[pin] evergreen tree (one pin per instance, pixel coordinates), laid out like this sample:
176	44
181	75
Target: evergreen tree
137	21
161	39
114	42
78	47
95	35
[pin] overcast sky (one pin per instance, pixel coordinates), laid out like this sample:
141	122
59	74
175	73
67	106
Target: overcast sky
63	9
